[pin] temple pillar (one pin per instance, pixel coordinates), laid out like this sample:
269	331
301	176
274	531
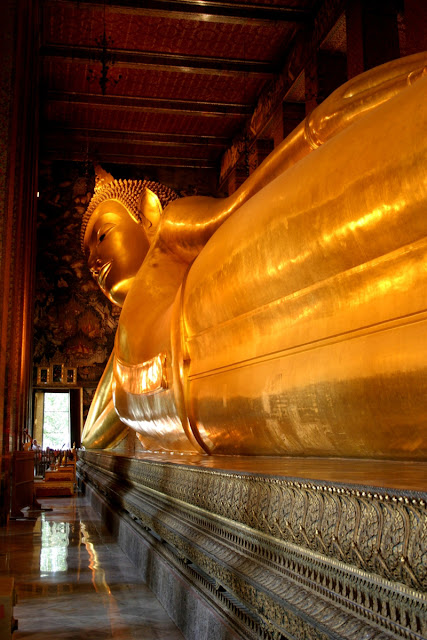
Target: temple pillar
259	151
18	188
249	160
326	72
372	34
413	28
292	114
238	174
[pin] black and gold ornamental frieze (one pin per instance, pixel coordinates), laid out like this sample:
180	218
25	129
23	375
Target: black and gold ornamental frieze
291	558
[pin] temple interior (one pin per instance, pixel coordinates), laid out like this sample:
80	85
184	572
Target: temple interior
213	341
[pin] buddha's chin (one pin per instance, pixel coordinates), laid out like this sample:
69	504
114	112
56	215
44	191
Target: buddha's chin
117	293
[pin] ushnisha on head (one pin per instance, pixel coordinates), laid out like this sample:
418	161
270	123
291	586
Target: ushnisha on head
118	227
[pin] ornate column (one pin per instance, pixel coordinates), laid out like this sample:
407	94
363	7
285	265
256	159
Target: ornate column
237	176
326	72
413	27
292	114
260	150
372	34
18	188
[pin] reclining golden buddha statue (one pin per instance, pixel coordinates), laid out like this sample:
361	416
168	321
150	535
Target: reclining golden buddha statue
287	319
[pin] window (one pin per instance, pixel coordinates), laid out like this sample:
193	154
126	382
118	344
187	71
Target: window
56	420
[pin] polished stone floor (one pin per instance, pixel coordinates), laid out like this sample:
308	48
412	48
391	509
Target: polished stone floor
73	580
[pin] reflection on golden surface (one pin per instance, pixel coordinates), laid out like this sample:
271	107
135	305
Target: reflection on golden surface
291	315
148	377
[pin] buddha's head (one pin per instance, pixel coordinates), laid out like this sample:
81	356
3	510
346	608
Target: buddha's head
117	229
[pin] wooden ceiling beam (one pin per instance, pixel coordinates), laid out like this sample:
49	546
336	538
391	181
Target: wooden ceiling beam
206	10
169	140
162	61
141	160
152	105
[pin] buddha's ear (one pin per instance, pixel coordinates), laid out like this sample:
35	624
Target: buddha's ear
151	210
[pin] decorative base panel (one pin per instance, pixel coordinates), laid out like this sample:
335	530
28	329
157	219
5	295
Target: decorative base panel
268	556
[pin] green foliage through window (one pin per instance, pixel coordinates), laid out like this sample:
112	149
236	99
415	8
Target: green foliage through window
56	422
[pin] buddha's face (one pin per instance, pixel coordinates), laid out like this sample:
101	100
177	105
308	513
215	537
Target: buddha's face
115	246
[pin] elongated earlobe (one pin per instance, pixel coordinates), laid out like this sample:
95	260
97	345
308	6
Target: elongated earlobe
151	210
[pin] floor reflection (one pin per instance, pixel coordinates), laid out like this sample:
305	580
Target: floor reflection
54	549
98	573
73	580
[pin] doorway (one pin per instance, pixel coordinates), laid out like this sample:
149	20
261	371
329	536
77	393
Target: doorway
57	418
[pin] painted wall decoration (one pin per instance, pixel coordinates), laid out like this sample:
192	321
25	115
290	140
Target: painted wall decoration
73	322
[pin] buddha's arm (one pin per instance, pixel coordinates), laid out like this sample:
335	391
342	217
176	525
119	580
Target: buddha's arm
103	426
189	222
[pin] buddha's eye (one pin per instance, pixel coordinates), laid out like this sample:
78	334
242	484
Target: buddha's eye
103	232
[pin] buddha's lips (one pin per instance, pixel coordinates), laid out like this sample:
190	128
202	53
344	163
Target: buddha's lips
104	271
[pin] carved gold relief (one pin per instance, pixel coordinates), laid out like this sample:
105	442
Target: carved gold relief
358	551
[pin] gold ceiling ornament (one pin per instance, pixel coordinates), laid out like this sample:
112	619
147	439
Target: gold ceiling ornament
107	59
127	192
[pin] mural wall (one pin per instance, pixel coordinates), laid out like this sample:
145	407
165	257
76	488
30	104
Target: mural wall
74	324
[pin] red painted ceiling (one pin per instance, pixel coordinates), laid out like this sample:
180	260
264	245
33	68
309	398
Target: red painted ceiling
184	79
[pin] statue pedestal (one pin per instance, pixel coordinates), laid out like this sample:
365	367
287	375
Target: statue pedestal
272	548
